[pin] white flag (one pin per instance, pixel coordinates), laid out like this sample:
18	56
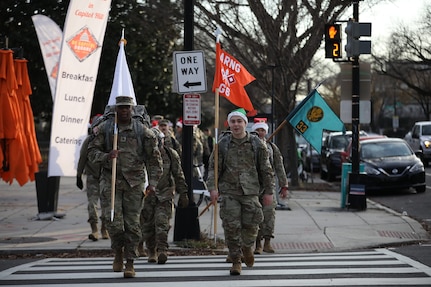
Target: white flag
83	35
49	36
122	84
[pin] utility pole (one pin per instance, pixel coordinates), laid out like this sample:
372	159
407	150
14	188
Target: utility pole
355	101
355	47
186	219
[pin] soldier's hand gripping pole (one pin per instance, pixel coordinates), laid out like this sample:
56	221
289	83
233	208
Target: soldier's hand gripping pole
114	168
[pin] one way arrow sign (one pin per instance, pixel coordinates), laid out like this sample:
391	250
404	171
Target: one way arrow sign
188	85
189	72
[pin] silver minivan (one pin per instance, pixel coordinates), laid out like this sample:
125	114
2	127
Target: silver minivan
419	139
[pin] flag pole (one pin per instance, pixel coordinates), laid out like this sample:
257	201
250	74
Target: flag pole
217	34
283	123
216	127
114	169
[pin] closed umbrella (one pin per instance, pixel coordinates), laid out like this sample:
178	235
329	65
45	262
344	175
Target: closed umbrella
14	163
23	93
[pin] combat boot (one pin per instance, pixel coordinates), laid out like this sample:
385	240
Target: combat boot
267	246
248	256
104	231
141	249
129	272
236	267
117	265
228	259
94	235
163	257
258	249
152	255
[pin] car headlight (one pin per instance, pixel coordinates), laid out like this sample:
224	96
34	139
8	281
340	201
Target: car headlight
371	171
417	167
427	144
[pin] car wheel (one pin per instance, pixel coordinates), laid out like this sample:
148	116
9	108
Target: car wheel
424	161
421	189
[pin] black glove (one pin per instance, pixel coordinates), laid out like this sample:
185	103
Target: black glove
79	182
183	201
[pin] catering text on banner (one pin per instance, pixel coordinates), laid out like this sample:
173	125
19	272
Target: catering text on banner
83	35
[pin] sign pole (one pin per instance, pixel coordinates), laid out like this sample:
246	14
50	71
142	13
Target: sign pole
186	219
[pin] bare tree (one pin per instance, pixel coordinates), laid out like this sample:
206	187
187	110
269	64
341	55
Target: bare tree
279	36
408	60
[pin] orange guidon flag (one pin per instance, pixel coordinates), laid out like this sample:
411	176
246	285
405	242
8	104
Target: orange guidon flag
230	79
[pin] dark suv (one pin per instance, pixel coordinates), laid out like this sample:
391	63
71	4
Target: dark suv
330	156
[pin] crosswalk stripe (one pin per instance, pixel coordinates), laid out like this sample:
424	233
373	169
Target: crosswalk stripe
379	267
190	273
276	283
222	264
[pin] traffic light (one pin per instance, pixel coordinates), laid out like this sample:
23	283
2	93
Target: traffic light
354	46
332	41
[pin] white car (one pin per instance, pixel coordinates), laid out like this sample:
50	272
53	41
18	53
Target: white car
419	139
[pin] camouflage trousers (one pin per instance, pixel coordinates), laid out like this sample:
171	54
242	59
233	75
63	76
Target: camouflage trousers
125	229
155	222
93	196
241	216
266	228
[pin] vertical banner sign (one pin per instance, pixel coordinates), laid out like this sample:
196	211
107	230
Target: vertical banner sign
83	35
49	36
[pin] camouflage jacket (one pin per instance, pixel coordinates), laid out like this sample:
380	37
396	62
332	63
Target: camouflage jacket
243	166
136	156
86	165
172	178
276	159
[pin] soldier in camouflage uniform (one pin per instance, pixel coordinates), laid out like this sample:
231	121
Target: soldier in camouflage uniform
169	140
243	165
136	155
266	228
92	171
157	210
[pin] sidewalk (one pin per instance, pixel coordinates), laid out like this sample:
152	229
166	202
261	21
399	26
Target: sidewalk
315	223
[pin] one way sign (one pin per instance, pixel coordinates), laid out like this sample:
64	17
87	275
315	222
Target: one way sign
189	72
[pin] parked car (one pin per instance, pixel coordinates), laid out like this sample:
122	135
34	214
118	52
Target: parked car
390	163
330	156
419	139
347	153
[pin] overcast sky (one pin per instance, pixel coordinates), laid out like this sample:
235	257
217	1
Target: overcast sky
387	16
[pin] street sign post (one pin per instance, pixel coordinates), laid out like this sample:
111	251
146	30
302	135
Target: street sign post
189	72
192	109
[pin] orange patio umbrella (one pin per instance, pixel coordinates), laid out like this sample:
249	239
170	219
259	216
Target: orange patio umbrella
23	93
13	143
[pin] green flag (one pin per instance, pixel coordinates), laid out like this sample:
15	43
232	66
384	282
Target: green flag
312	116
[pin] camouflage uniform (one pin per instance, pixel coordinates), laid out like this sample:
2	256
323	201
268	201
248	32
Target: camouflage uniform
171	141
266	228
92	170
243	163
132	163
157	210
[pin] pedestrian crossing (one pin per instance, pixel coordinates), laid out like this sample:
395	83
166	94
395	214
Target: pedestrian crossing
378	267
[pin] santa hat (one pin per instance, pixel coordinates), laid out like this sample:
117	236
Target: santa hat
179	123
260	123
238	112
